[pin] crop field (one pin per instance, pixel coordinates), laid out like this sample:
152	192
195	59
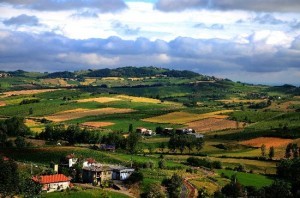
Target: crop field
88	81
2	104
97	124
236	100
112	78
56	81
214	124
205	183
99	99
26	92
79	113
139	99
268	141
248	179
285	106
183	117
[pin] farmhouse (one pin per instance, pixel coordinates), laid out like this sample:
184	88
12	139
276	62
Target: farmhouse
51	183
69	161
144	131
96	173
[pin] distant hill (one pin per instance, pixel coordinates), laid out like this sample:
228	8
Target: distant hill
64	74
141	72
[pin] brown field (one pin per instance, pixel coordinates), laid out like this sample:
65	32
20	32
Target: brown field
214	124
283	106
276	142
79	113
183	117
139	99
100	99
236	100
97	124
2	104
26	92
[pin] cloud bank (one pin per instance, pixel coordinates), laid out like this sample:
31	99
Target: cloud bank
51	52
253	5
56	5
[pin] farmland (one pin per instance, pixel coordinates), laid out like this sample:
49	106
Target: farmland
111	107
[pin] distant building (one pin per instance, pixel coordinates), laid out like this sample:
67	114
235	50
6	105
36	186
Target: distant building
107	147
51	183
144	131
141	130
196	135
69	161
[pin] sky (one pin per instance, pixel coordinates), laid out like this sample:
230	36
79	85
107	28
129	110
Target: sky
255	41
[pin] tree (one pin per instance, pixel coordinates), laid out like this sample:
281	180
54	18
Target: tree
20	142
154	191
9	177
174	186
162	146
130	128
132	142
161	163
263	150
135	177
271	152
278	189
199	142
30	111
31	189
233	189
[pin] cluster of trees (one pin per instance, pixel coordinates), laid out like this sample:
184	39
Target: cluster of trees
10	128
193	161
14	182
73	134
29	101
64	74
292	150
271	153
185	141
260	105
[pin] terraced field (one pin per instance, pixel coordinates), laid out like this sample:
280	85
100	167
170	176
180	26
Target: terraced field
26	92
79	113
268	141
183	117
214	124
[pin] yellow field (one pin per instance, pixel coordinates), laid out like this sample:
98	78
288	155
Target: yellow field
209	186
25	92
112	78
236	100
88	81
183	117
34	126
97	124
214	124
79	113
139	99
276	142
100	99
55	81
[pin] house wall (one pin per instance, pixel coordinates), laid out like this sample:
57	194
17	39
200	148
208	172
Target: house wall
56	186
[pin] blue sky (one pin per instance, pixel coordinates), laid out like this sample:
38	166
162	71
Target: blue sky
255	41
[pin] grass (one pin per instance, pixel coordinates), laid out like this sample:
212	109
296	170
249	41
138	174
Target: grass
248	179
85	194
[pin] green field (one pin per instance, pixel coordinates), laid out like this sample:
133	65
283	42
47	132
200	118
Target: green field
85	194
248	179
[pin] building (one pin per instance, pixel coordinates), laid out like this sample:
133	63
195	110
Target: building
96	173
196	135
51	183
141	130
121	173
69	161
107	147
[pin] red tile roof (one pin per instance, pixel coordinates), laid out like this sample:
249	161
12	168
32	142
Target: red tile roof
46	179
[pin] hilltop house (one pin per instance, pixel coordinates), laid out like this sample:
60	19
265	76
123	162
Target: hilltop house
51	183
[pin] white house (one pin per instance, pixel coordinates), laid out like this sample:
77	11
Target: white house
51	183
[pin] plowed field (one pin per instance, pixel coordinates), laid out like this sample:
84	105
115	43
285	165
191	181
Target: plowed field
276	142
